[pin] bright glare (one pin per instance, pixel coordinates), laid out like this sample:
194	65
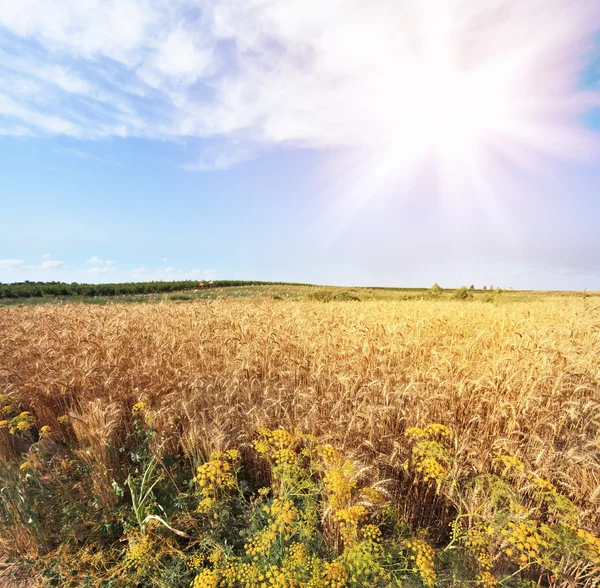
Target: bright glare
473	90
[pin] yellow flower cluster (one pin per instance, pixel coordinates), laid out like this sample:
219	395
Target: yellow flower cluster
525	541
334	575
273	440
544	485
371	533
206	579
196	561
486	579
510	462
231	455
205	505
6	408
278	447
298	554
237	573
4	424
591	545
437	429
477	541
339	488
140	555
64	419
275	577
139	407
429	432
429	458
282	516
23	422
213	475
349	518
328	455
432	469
283	513
477	538
260	545
45	431
285	457
423	556
281	438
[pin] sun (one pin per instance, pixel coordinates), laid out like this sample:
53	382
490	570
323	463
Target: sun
468	105
436	108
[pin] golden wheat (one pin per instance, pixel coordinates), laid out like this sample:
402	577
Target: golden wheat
520	379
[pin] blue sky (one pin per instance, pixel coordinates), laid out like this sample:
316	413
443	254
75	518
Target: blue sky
399	144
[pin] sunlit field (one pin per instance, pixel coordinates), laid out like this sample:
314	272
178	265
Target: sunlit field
303	441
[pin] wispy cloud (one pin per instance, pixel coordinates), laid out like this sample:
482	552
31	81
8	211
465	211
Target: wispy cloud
50	264
86	155
95	269
339	73
13	265
95	260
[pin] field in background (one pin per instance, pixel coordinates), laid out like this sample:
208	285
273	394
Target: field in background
517	380
153	292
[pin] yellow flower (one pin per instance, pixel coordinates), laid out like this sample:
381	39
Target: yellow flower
23	425
423	556
334	575
206	579
138	407
544	484
196	561
511	462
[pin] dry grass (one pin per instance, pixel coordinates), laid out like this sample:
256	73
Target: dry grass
519	379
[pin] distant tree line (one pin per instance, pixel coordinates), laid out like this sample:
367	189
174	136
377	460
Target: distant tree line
40	289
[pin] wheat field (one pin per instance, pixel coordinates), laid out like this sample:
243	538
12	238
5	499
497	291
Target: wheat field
519	379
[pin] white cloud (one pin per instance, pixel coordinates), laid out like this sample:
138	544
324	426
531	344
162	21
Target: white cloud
11	264
316	73
98	270
51	264
86	155
19	267
95	260
221	158
46	256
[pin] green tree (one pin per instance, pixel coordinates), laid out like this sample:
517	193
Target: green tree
435	291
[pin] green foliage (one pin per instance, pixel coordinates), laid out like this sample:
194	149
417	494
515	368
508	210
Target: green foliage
462	294
330	295
59	289
435	291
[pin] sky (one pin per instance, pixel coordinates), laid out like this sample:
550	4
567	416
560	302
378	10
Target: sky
348	142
